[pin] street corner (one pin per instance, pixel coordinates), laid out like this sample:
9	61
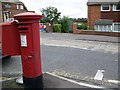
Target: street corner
55	81
51	80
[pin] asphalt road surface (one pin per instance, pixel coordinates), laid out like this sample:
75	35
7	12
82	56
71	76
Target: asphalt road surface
80	61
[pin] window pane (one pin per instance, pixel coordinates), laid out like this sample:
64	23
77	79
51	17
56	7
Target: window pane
109	27
21	6
105	7
7	6
100	28
118	7
116	27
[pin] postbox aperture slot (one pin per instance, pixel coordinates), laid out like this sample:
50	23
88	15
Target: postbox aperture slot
23	28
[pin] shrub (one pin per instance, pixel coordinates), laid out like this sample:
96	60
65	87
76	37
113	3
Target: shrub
57	27
65	24
82	26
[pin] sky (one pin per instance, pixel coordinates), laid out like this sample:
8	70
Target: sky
71	8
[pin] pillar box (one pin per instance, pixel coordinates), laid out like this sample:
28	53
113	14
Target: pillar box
10	38
28	26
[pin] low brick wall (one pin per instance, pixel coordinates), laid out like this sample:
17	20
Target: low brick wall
91	32
48	28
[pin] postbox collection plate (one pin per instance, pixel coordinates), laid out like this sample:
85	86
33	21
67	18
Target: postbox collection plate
23	39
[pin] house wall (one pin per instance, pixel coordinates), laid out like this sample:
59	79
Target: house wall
114	15
13	9
93	14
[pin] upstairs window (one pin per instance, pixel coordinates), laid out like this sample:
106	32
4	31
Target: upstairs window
7	6
116	7
105	7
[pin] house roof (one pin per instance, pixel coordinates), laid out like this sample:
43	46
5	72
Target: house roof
92	2
103	22
10	1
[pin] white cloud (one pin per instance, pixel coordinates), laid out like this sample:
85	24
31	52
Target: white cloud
71	8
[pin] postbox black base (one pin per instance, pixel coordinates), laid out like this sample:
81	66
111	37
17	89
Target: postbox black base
30	83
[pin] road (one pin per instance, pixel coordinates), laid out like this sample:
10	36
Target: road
79	60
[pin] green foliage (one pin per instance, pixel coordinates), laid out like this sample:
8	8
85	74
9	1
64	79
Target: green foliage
65	23
57	27
50	14
74	19
91	28
82	26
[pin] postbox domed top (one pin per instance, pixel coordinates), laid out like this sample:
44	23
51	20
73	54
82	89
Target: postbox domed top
8	23
27	15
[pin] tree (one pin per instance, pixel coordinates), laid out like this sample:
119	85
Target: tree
50	14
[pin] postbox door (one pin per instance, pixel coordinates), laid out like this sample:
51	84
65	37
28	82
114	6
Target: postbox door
28	53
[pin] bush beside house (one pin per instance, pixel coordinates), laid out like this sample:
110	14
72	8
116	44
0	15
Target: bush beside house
65	23
57	28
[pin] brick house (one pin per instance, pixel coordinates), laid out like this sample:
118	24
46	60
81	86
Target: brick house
104	15
8	8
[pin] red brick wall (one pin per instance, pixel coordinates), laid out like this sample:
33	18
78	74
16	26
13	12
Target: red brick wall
13	9
48	28
94	13
74	27
114	15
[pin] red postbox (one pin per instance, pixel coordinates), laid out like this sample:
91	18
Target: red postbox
28	26
10	38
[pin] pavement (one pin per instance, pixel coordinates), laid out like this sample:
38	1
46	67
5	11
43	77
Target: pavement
89	42
100	38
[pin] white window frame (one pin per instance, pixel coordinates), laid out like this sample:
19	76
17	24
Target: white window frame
114	25
114	7
21	7
97	28
102	7
17	6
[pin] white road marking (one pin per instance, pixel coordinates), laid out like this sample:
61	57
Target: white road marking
7	79
65	46
114	81
74	82
99	75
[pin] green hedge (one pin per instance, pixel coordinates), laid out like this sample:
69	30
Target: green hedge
57	27
82	26
65	22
